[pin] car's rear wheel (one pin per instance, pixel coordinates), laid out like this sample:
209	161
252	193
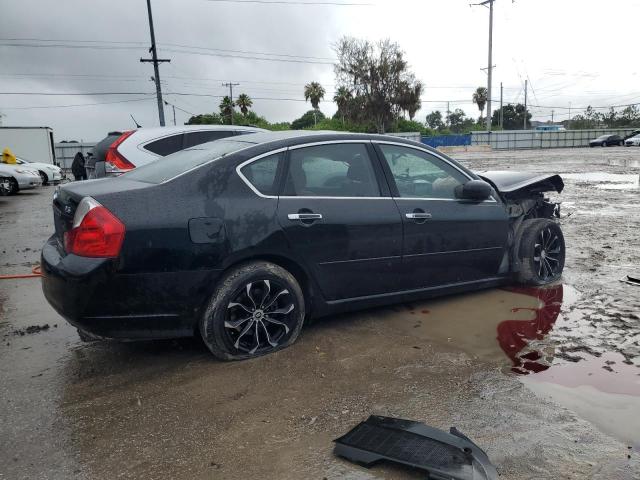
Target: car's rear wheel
541	252
604	144
257	308
43	176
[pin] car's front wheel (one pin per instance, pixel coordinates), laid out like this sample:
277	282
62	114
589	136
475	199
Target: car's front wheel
13	186
256	309
44	177
541	252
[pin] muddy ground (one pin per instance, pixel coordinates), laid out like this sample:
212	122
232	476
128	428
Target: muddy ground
547	381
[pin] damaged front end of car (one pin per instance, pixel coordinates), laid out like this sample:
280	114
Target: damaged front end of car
524	195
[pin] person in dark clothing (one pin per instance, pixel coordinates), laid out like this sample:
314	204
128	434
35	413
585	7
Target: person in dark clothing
77	167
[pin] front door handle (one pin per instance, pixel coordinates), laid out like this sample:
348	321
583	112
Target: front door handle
304	216
418	216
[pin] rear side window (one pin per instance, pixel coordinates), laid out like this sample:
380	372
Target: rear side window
336	170
262	173
165	146
192	139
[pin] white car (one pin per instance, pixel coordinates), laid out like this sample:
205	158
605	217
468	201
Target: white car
632	142
20	178
120	152
48	172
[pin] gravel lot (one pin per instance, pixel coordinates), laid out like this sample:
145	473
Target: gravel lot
169	410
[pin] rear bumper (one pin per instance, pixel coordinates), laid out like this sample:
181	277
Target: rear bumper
92	296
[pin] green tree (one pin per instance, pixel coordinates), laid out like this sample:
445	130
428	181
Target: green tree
480	97
205	119
410	101
244	103
513	116
342	98
457	121
315	93
434	120
380	80
226	108
308	120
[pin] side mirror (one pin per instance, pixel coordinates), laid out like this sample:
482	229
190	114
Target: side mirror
473	190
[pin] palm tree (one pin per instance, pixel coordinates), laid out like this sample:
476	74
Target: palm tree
226	109
480	97
315	92
244	102
342	98
413	100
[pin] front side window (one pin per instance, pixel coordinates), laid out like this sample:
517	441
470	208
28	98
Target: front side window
262	173
335	170
165	146
419	174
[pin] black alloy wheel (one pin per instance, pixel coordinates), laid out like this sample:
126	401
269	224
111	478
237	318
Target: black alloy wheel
260	317
44	177
256	309
548	252
541	252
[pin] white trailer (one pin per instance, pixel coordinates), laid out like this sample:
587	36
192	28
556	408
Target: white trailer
34	144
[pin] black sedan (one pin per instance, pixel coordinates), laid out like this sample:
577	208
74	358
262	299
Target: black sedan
241	240
607	141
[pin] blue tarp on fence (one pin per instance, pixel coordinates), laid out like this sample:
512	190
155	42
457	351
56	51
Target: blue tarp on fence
447	140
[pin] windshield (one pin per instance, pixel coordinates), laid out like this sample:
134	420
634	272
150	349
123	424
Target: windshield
173	165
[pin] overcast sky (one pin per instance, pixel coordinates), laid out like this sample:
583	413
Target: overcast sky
572	51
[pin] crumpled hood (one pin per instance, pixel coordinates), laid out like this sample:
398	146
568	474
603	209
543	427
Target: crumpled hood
512	184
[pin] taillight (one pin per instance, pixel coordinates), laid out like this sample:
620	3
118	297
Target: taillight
114	160
96	232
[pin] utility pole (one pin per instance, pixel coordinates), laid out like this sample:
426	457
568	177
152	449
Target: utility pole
569	122
490	65
174	111
154	58
552	116
501	111
231	85
526	86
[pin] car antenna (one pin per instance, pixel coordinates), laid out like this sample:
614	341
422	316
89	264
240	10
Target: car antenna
134	121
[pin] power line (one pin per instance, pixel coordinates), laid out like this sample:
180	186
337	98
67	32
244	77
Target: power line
78	104
134	45
293	2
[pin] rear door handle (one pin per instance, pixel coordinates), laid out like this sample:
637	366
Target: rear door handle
418	215
304	216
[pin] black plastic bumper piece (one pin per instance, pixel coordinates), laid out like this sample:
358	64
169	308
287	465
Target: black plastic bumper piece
445	456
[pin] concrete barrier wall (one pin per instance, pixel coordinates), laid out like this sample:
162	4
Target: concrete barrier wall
532	139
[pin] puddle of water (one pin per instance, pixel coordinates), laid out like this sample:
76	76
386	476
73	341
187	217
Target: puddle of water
512	326
620	162
607	181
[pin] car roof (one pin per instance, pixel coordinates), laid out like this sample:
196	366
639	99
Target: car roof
161	131
294	137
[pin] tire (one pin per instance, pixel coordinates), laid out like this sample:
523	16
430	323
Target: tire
604	144
43	176
240	320
13	186
541	252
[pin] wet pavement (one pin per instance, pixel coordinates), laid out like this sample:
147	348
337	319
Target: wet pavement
547	380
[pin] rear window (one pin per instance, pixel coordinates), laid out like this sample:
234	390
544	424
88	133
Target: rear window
180	162
165	146
192	139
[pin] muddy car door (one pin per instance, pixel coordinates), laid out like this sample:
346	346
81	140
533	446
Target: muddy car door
339	218
446	240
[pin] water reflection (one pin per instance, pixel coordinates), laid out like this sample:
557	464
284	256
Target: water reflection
520	339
